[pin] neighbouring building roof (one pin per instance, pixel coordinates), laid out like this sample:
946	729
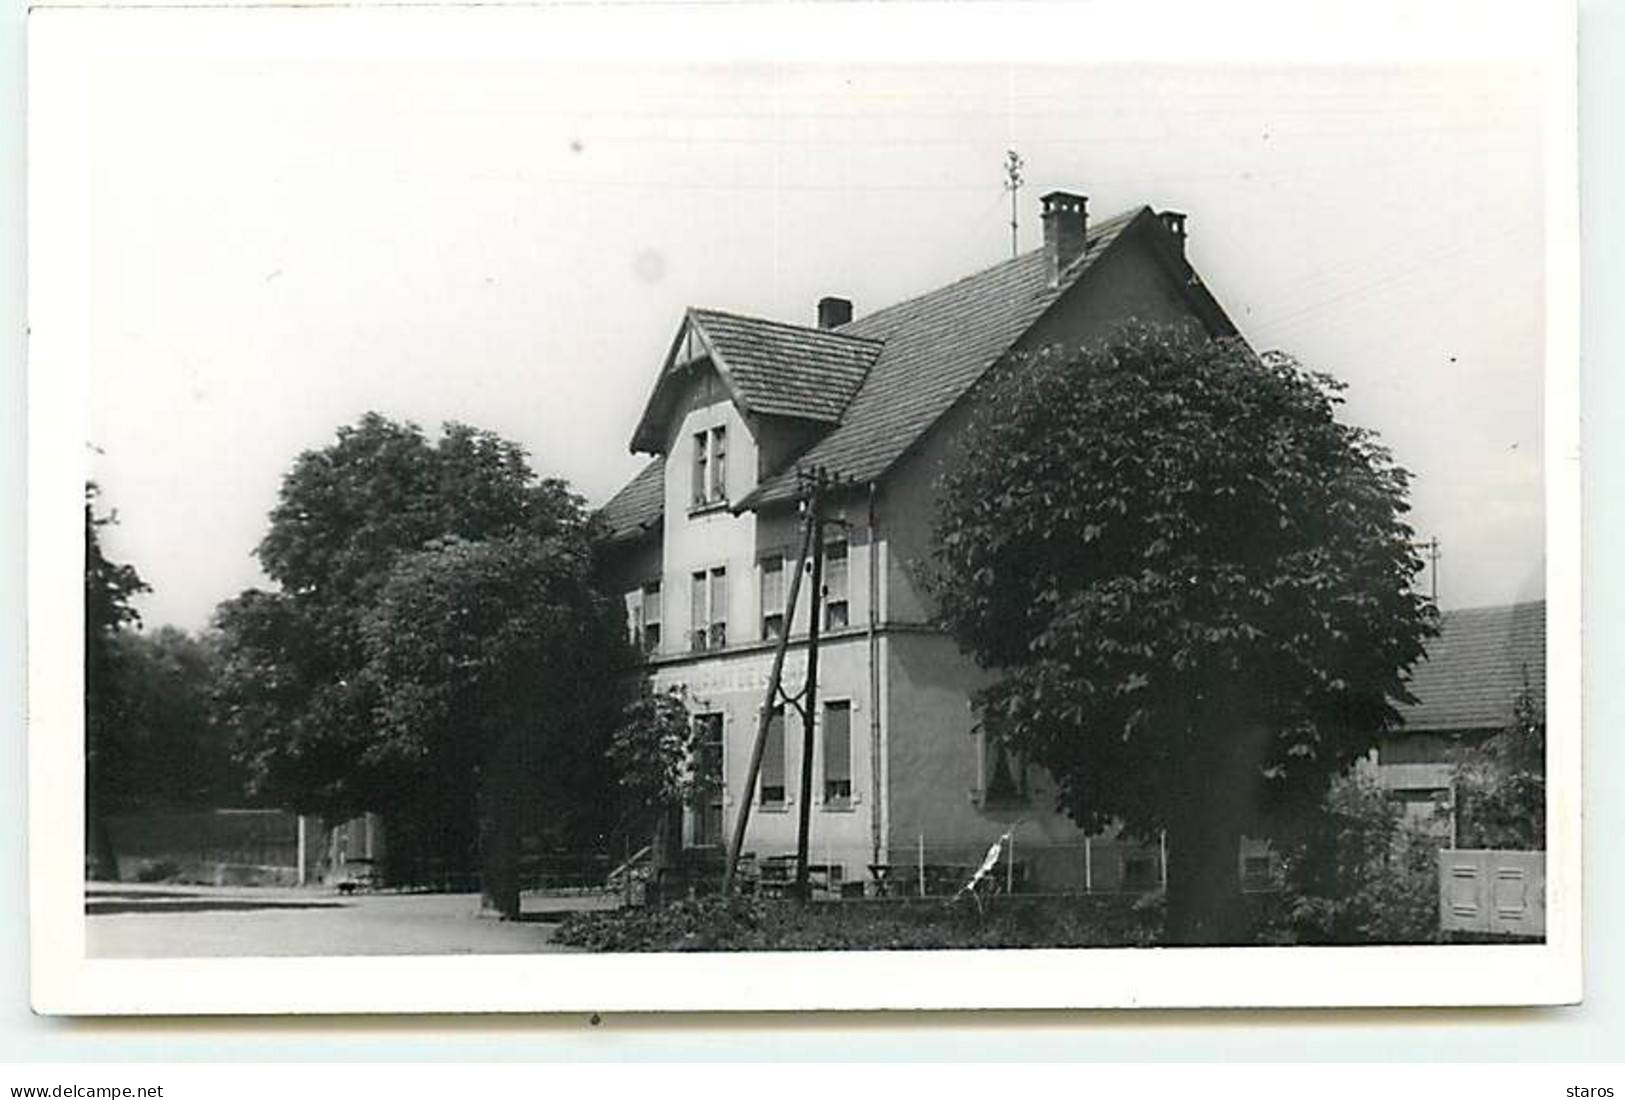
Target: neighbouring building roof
640	504
1475	668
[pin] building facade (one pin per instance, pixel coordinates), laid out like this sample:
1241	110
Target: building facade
705	538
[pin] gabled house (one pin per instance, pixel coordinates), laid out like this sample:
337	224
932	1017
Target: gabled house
704	536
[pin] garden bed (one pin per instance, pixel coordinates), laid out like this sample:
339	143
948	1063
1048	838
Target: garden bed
751	924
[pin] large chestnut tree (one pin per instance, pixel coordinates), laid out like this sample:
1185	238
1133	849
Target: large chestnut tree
1196	584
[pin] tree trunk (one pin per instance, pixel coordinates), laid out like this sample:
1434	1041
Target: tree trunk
501	789
103	861
1219	794
1204	886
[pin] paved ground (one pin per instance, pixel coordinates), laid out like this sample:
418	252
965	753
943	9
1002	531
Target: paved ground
128	920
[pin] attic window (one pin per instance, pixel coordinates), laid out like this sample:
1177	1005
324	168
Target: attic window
710	466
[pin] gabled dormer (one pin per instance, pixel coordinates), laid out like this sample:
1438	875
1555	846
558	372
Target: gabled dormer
787	385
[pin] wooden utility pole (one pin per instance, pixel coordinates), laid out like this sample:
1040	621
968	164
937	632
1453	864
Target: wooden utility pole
809	701
769	703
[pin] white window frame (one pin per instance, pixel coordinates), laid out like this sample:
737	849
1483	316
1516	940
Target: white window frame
705	630
772	605
656	590
851	797
710	473
783	801
842	597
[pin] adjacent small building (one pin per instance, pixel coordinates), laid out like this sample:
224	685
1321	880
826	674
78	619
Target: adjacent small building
1465	689
705	537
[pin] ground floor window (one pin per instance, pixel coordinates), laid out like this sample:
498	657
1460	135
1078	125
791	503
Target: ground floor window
838	753
773	793
708	781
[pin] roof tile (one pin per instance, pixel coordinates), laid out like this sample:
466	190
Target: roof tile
1482	658
788	370
639	505
936	347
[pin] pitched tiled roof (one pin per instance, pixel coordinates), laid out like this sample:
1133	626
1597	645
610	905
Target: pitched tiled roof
788	370
936	347
639	505
1474	669
882	380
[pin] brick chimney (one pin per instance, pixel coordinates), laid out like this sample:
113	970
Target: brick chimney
834	312
1066	227
1174	223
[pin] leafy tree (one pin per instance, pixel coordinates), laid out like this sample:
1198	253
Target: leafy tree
1501	790
1195	584
110	588
307	684
181	757
172	752
492	660
650	753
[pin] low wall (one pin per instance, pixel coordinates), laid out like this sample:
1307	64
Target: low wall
211	847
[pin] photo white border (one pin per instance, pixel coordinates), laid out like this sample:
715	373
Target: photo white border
66	44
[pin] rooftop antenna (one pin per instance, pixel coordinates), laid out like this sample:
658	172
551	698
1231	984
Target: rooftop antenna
1430	548
1013	164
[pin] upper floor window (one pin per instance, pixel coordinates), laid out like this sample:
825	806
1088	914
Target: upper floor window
651	616
772	596
837	610
708	618
643	613
710	466
838	753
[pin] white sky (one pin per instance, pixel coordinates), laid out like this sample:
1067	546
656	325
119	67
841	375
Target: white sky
278	243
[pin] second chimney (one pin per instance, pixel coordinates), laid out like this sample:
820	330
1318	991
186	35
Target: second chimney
1066	227
834	312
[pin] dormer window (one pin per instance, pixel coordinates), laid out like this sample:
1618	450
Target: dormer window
710	466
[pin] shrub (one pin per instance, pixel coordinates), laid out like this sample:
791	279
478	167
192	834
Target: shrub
712	924
1366	876
157	870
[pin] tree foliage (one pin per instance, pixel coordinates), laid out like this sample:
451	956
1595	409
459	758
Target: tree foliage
493	662
1379	883
650	753
110	589
1194	582
415	578
171	754
1501	788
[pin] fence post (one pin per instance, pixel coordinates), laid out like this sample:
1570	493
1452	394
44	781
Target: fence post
1010	865
922	864
1088	865
300	859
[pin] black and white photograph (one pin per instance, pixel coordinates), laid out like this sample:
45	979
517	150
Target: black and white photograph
992	522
